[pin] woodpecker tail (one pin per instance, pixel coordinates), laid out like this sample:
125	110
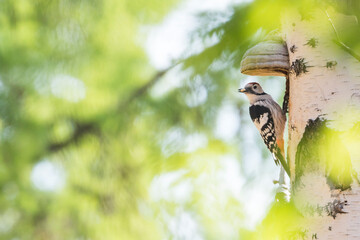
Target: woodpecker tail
279	156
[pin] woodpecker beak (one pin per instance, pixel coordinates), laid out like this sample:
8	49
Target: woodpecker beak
242	90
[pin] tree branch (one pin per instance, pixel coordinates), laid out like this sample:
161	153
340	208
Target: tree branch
143	89
83	128
80	131
339	42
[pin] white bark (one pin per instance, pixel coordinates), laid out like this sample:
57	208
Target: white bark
330	89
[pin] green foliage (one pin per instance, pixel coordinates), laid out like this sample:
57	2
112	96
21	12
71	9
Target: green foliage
65	67
321	148
282	222
76	91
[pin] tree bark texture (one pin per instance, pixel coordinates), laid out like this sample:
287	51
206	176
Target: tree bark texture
323	124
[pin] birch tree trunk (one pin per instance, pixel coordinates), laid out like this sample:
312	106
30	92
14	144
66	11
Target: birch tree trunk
323	121
324	130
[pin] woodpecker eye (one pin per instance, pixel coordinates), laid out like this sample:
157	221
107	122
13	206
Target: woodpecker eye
255	87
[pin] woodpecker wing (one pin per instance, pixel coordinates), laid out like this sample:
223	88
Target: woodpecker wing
264	122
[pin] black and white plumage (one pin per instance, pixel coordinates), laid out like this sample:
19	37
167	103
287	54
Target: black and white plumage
269	119
262	118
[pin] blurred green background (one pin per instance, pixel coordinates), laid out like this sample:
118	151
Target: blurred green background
120	119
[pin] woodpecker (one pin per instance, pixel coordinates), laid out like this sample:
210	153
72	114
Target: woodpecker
269	119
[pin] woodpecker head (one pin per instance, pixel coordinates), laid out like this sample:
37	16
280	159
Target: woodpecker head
254	92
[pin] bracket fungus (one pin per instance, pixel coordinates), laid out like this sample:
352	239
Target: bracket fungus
268	58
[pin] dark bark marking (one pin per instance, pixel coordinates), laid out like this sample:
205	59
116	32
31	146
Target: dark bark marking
299	66
293	49
335	207
312	42
285	106
331	64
